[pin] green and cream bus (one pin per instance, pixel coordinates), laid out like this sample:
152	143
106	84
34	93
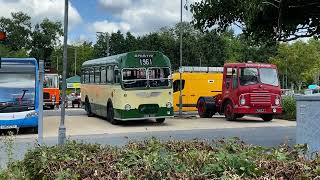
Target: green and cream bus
131	86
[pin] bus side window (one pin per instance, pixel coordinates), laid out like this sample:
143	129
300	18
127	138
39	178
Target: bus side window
103	75
97	75
176	85
86	76
91	76
116	76
110	75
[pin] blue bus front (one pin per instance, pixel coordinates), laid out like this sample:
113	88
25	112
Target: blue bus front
19	94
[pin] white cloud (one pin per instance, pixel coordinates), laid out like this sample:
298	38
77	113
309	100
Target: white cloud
115	6
144	16
40	9
110	27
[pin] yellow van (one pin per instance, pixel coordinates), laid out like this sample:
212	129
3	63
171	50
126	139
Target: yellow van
196	82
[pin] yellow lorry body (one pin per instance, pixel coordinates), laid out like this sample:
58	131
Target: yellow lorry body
195	84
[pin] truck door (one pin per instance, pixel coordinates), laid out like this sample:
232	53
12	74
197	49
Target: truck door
231	84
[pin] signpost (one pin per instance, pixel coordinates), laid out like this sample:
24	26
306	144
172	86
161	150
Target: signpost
40	123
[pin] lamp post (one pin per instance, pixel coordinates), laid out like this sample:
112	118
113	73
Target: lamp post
180	69
62	128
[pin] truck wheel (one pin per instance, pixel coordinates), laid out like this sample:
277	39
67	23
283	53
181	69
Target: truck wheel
203	110
266	117
229	112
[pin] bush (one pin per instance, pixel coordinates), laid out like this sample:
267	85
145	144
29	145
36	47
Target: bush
153	159
289	108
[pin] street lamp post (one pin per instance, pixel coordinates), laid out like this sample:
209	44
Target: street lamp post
62	128
180	69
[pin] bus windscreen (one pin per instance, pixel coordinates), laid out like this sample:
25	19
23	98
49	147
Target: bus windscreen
17	92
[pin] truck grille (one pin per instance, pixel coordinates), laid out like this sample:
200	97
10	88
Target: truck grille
260	98
46	95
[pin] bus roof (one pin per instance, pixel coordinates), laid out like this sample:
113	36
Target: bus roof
128	59
20	60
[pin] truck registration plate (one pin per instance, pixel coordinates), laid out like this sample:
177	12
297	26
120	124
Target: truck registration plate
260	110
8	126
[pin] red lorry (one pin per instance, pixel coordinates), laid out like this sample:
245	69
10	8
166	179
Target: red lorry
247	88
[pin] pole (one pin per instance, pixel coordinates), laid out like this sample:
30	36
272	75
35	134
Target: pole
180	69
62	128
75	61
40	124
107	37
57	64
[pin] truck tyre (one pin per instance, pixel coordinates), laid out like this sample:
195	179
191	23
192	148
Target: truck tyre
266	117
206	107
229	112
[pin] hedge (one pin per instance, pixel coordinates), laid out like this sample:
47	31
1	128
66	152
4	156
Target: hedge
153	159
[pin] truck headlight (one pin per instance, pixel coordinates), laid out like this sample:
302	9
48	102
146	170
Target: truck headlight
127	107
277	101
242	101
32	114
53	98
169	105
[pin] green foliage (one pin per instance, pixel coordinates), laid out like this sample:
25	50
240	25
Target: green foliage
263	20
299	61
289	108
153	159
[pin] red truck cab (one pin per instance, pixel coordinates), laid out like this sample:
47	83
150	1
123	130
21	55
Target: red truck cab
247	88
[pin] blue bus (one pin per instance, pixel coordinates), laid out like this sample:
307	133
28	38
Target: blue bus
19	93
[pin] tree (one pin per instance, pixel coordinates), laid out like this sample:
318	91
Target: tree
263	20
44	38
131	42
18	29
304	61
102	45
117	43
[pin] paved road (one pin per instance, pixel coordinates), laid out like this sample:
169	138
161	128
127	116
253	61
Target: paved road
69	112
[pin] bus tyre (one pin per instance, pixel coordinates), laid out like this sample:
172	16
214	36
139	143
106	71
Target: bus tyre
110	115
203	110
35	130
87	107
266	117
229	112
160	120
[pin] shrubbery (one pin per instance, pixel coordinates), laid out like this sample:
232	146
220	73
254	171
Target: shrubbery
153	159
289	108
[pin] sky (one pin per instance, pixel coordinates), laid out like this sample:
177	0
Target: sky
86	17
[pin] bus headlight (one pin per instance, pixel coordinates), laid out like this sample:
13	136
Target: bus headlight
127	107
277	101
169	105
31	114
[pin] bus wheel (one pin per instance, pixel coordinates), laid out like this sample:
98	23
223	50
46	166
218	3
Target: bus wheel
266	117
229	112
35	130
160	120
110	115
87	107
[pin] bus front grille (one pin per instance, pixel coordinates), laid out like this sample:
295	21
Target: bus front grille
46	95
148	108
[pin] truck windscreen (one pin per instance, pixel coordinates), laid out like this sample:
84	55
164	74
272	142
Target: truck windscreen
269	76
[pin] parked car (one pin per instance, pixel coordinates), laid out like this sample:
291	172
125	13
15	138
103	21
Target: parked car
76	99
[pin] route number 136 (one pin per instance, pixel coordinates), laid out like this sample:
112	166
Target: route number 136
146	61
